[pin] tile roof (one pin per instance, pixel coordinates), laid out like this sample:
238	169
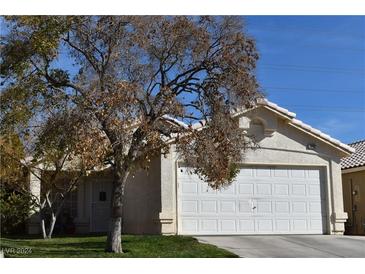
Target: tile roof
291	117
357	159
288	114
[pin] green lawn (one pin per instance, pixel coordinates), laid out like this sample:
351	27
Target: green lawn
151	246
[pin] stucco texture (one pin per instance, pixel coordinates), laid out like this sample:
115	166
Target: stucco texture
281	144
151	196
354	201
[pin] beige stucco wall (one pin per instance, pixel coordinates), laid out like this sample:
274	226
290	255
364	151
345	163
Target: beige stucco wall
142	203
354	200
35	189
151	206
280	144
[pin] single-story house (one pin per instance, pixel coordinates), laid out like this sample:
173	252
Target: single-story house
290	185
353	184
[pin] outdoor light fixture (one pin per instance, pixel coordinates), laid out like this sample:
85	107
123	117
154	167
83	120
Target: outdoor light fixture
311	146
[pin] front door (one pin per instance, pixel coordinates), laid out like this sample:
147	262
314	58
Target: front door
100	205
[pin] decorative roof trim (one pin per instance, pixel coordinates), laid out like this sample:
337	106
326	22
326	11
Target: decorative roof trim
292	120
272	105
306	127
290	116
353	169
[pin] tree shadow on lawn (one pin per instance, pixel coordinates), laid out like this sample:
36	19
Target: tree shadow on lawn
136	246
39	237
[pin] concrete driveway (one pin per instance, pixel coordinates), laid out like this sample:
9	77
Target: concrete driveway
290	246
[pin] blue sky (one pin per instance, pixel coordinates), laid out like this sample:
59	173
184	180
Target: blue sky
315	67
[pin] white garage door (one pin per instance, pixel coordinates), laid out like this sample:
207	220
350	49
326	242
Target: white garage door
260	201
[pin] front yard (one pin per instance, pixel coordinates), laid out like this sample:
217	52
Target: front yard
151	246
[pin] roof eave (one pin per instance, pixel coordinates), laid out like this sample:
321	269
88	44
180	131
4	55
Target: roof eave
290	117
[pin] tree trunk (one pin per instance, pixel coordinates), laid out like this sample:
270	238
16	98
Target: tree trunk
43	222
51	227
114	240
43	228
54	217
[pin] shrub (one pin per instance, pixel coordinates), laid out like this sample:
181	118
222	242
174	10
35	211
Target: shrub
15	210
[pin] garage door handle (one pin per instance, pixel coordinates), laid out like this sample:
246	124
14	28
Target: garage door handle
254	207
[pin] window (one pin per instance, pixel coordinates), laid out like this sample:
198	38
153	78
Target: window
102	196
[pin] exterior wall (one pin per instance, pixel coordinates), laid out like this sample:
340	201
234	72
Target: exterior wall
83	200
168	216
82	221
353	184
150	201
142	201
35	189
280	144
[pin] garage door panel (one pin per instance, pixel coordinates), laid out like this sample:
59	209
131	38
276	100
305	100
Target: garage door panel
263	173
315	223
299	207
228	206
228	190
299	190
246	172
189	206
260	201
297	173
315	207
281	189
246	226
264	207
299	225
246	189
263	189
265	225
190	225
282	225
205	189
314	174
208	206
314	190
281	173
282	207
245	206
190	188
209	225
228	226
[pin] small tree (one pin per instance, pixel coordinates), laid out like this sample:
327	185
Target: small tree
128	78
50	166
15	206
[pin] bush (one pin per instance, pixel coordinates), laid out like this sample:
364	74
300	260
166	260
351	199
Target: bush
14	211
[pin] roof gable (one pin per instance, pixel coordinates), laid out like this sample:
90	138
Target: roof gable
291	120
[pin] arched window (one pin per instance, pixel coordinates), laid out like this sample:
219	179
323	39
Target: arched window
257	126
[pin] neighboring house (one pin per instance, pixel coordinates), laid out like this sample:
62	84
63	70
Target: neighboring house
353	183
290	185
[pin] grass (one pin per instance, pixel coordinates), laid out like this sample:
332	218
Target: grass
141	246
